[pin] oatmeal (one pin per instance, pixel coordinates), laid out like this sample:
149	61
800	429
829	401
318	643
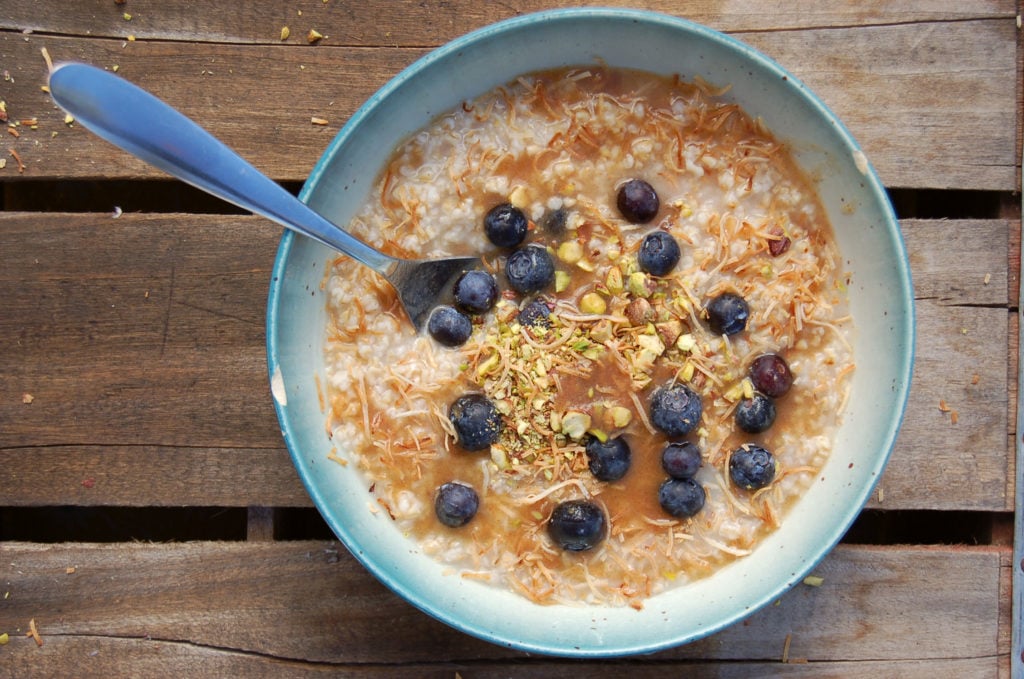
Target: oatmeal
652	371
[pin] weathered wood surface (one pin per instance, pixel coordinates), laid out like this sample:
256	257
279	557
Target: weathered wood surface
152	366
309	606
141	343
376	24
945	116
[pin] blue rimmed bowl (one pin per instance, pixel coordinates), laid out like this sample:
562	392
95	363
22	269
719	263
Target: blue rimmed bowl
880	296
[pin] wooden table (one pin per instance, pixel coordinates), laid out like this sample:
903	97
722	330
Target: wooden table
151	523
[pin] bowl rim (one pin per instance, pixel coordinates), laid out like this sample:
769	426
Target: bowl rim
873	186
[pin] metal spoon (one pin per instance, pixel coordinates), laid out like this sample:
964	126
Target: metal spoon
136	121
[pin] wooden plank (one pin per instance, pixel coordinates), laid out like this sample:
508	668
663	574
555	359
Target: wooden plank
961	135
150	476
935	457
104	657
310	602
374	24
172	387
960	262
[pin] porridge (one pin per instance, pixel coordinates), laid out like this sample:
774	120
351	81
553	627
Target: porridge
646	374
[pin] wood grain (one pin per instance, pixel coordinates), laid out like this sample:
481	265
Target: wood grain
377	24
153	367
310	602
946	116
105	657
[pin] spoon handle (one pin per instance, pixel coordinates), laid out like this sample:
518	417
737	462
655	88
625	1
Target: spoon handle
136	121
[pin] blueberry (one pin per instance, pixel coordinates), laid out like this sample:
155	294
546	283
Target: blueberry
449	326
609	461
577	525
756	414
476	291
536	314
505	225
637	201
681	460
659	253
728	314
455	504
751	467
476	421
682	498
676	410
530	269
771	375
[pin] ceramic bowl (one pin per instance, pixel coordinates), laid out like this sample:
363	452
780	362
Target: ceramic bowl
880	300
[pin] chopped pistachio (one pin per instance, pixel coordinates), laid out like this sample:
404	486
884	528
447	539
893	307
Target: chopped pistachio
561	281
598	434
748	388
628	266
684	209
593	303
518	197
602	331
522	426
670	331
285	32
686	372
639	311
620	416
686	342
681	302
570	251
734	393
556	421
498	457
314	36
640	284
489	365
592	353
814	581
651	341
614	280
575	424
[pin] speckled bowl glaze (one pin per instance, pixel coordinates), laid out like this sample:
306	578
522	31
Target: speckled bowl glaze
880	299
